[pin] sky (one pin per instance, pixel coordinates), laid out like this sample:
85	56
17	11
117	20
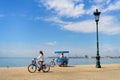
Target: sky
28	26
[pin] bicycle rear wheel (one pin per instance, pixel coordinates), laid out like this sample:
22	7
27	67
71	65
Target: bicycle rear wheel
32	68
46	68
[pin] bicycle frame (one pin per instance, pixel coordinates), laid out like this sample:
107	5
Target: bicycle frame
35	62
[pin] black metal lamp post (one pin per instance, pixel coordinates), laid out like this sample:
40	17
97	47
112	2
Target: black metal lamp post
97	14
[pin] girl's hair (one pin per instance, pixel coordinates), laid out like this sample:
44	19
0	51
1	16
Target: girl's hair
41	52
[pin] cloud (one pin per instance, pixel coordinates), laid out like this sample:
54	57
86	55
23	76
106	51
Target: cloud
101	1
71	8
103	6
98	4
56	20
77	8
107	25
113	6
83	27
51	43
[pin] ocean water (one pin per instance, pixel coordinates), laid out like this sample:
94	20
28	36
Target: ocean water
22	62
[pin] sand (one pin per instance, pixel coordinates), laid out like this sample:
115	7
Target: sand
79	72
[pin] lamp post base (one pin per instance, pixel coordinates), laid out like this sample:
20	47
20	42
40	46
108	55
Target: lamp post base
98	65
98	62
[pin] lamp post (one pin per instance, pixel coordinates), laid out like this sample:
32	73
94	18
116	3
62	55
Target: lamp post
97	14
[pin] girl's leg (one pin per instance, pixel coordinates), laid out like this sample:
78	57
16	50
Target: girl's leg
41	64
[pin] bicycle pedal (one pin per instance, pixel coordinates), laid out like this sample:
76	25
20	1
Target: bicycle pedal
39	69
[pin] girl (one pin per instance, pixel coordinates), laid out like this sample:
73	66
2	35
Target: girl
40	59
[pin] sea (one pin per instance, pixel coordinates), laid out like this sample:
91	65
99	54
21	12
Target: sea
25	61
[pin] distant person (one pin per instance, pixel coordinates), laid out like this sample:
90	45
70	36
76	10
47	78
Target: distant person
40	59
62	55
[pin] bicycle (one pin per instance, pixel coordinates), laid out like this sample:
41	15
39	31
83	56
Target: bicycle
34	66
52	63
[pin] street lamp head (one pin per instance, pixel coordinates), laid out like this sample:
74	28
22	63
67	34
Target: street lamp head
96	14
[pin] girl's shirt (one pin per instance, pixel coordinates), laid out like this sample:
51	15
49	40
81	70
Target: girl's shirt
40	58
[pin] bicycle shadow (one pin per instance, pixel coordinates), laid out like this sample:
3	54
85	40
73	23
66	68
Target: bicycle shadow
70	66
44	72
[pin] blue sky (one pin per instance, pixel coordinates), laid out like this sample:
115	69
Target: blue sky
27	26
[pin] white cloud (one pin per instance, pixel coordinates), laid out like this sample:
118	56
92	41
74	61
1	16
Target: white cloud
92	9
77	8
56	20
84	26
113	6
107	1
107	25
100	1
98	4
51	43
69	9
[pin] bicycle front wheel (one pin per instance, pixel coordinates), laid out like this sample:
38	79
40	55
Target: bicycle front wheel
32	68
46	68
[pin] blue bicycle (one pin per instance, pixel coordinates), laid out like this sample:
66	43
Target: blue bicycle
34	66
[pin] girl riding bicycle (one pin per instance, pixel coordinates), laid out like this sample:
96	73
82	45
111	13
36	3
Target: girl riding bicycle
40	59
37	64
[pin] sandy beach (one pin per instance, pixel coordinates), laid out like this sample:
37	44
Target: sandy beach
79	72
